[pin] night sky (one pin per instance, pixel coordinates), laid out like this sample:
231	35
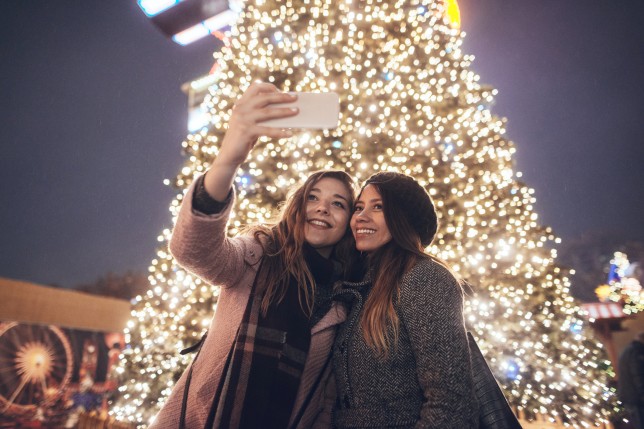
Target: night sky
93	117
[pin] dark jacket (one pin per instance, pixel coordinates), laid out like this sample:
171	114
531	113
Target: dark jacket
426	382
631	374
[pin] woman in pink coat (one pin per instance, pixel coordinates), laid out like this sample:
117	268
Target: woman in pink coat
265	359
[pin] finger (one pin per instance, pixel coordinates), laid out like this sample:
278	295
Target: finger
260	87
274	133
250	116
275	113
264	99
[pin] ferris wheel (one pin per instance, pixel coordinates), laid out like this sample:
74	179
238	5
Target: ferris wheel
35	366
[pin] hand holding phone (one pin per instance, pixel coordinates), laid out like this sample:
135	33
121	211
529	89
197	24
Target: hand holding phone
317	110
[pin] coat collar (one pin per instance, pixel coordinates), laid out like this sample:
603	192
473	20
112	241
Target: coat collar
336	315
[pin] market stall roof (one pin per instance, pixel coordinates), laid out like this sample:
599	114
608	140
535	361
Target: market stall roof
604	310
32	303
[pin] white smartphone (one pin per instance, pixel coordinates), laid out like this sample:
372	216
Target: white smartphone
318	110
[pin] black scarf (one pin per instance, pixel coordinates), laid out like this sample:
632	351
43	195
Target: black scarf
265	366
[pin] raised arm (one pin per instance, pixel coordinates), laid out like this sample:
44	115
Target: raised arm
199	242
244	129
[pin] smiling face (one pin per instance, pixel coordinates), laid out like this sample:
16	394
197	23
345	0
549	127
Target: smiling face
327	214
368	221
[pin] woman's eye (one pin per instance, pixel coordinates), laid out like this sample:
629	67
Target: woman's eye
338	204
377	206
311	197
358	209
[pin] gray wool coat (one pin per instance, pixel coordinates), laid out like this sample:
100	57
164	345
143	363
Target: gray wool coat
426	382
199	243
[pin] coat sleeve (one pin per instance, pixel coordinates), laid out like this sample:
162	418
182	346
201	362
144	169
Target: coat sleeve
431	310
200	245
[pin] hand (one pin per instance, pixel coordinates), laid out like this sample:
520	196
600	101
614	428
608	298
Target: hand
244	127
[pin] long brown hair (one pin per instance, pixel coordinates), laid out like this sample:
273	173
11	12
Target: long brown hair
283	256
388	264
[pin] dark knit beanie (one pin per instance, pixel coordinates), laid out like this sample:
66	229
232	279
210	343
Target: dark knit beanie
412	199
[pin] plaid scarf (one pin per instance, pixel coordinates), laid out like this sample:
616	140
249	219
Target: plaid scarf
265	364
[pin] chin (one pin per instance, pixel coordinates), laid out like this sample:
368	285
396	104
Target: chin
362	249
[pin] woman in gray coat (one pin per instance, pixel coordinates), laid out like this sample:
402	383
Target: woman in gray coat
401	360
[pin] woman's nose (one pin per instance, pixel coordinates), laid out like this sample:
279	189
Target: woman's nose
361	215
322	208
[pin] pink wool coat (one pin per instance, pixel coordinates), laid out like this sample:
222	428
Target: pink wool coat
199	243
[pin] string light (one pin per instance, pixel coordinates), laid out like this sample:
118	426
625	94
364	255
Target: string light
409	103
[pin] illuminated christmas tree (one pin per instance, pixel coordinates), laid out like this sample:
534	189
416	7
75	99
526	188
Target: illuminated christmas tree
409	102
